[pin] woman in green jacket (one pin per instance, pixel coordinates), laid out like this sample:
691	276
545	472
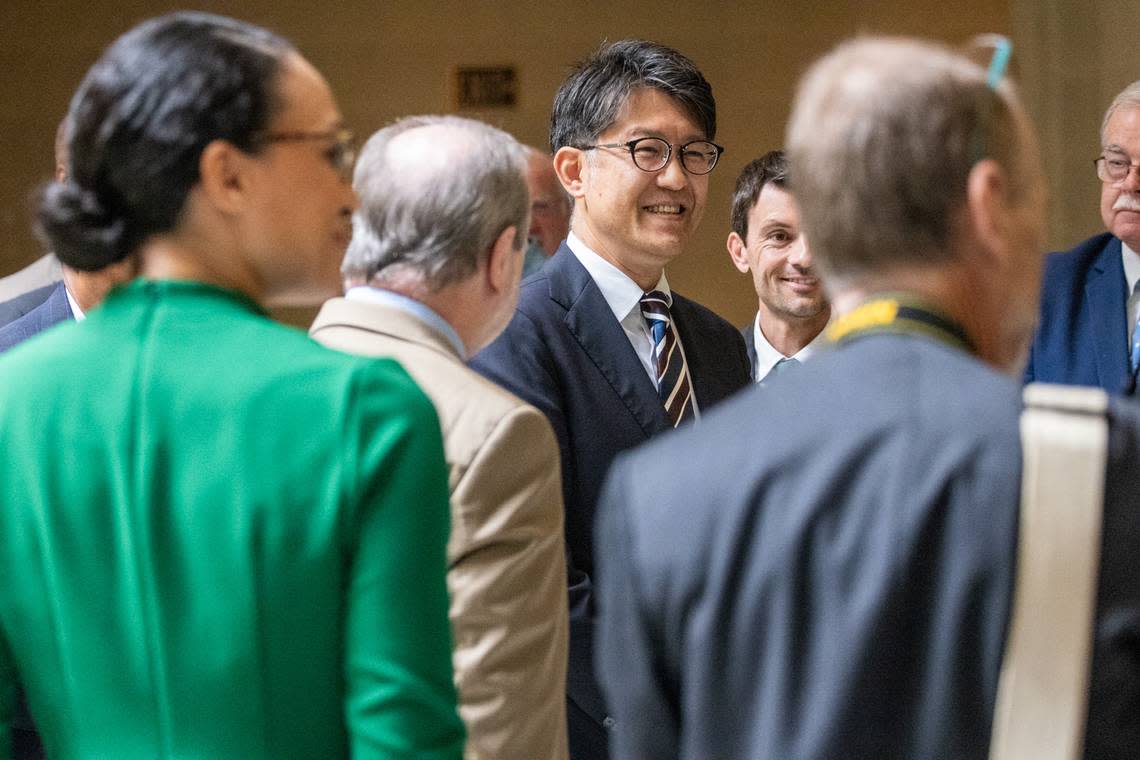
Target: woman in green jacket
217	538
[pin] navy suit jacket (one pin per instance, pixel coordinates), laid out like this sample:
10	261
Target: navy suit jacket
1082	338
51	312
565	353
14	308
748	332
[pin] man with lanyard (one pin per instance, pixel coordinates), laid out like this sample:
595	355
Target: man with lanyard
829	573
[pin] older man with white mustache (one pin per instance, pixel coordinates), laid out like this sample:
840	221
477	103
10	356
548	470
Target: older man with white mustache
1090	300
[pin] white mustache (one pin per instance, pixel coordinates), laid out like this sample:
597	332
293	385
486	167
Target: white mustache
1126	202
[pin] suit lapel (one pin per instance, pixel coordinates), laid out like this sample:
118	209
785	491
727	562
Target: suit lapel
592	323
56	308
749	334
704	369
1105	301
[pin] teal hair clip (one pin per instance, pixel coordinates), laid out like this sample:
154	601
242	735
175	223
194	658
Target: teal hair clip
999	61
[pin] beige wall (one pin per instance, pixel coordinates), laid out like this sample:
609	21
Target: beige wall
387	59
1076	56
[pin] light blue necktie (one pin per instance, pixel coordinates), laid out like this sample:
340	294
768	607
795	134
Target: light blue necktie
781	367
785	364
1134	355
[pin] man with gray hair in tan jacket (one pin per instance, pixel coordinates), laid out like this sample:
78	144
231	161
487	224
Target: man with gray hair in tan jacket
433	275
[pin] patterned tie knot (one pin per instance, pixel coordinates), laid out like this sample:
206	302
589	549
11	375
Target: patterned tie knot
655	310
656	303
673	384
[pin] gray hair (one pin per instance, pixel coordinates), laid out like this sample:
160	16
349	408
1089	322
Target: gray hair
588	101
433	208
881	141
1129	97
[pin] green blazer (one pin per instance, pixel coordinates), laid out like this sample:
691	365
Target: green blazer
219	539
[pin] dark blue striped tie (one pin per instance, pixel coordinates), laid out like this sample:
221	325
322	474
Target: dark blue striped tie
673	384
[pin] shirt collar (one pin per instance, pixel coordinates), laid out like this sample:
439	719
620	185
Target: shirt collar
767	356
391	299
76	312
1131	261
622	294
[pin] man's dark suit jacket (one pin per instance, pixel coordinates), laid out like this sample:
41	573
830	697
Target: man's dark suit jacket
823	569
51	312
1082	338
17	307
565	353
748	332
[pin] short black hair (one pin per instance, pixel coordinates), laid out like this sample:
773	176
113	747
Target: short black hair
771	167
139	123
589	99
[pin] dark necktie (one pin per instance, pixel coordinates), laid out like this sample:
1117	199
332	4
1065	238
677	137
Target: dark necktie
673	385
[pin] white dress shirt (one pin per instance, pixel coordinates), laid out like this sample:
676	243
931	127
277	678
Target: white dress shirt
75	310
623	296
1131	261
767	356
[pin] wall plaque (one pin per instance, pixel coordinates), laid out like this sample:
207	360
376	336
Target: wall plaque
486	87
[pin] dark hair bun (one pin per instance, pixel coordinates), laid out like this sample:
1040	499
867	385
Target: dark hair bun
79	228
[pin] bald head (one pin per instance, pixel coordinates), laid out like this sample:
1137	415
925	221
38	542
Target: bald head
550	206
435	194
883	136
915	175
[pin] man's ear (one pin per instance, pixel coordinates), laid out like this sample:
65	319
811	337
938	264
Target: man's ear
735	245
224	175
504	261
570	166
989	205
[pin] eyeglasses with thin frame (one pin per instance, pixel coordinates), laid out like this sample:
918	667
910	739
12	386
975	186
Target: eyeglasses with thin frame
341	155
652	154
1111	169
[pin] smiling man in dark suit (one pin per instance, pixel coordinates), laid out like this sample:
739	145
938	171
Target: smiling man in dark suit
599	342
1090	301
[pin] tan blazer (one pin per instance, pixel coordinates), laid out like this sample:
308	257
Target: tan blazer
506	565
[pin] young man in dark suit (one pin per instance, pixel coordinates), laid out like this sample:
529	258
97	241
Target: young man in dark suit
599	341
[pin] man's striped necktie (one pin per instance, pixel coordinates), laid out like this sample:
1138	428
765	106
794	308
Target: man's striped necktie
673	384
